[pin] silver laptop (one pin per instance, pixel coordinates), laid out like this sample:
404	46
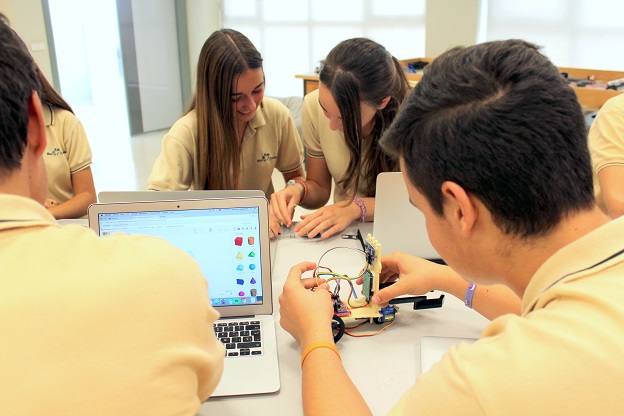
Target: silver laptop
229	239
135	196
399	226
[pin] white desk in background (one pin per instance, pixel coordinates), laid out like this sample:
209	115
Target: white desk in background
382	366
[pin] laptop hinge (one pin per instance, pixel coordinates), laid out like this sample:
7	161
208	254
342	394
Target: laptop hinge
235	318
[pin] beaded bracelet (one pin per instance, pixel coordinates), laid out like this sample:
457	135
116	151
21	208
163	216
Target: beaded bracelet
362	206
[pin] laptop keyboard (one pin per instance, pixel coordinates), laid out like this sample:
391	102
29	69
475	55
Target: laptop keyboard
241	338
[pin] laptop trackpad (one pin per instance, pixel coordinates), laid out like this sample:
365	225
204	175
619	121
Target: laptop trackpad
254	374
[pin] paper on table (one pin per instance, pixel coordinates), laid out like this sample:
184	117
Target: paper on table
433	348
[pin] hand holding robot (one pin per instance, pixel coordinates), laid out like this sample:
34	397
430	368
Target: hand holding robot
303	315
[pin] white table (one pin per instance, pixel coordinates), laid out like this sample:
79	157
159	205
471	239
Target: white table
382	366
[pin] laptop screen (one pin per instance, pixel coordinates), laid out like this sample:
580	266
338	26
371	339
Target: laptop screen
224	241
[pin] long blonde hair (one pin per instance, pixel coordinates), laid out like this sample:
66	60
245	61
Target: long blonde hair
225	55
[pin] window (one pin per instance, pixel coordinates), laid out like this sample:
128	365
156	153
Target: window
293	36
576	33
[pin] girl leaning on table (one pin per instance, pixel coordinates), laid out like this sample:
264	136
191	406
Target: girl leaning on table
67	157
360	90
232	137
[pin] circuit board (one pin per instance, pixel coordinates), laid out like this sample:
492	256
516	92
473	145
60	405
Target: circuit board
361	307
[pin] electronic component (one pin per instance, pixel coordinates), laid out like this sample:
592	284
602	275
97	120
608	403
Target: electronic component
358	310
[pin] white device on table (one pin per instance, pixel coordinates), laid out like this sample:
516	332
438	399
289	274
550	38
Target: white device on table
229	238
398	225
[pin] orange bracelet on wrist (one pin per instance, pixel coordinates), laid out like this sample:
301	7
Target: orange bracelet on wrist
316	345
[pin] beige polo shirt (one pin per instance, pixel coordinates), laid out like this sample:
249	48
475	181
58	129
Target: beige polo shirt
606	140
270	141
323	142
119	325
562	356
67	151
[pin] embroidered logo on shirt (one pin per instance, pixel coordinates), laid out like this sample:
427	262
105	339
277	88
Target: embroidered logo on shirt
56	152
266	157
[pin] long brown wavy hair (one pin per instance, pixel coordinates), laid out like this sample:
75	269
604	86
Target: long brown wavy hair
49	95
357	70
225	55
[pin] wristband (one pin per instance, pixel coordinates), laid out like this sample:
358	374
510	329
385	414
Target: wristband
301	181
316	345
470	294
362	206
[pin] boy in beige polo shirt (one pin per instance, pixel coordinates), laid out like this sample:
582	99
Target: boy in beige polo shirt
90	326
606	143
493	150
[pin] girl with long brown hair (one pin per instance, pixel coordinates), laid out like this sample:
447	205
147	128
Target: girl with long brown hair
67	157
232	137
361	88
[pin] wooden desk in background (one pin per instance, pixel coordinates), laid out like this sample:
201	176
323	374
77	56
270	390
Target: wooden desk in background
593	98
310	82
589	98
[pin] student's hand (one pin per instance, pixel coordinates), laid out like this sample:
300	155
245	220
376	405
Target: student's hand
49	203
306	314
412	276
328	220
275	228
283	203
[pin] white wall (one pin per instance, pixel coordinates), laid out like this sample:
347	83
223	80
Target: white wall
156	48
26	17
203	18
451	23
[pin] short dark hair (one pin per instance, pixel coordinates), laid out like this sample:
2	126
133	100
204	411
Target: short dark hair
18	79
498	119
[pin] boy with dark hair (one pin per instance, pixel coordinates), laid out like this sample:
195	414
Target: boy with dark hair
493	150
90	326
